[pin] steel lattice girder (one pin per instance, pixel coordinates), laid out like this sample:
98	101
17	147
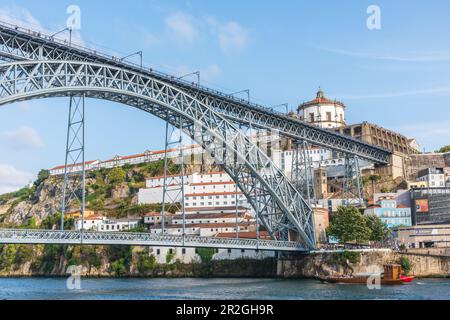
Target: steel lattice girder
24	236
283	205
19	45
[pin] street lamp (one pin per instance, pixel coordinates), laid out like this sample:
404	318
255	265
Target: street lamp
282	105
247	91
138	53
197	73
61	31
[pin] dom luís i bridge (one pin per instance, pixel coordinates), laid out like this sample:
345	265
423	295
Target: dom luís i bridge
34	65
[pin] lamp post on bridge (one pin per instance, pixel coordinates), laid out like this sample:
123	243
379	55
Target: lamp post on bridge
286	105
247	91
61	31
137	53
196	73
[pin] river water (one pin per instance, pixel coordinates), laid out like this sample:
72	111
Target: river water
217	288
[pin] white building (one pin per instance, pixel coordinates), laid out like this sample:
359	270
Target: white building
206	190
434	177
103	224
323	112
188	255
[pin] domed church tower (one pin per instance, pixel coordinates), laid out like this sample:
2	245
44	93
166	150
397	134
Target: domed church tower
323	112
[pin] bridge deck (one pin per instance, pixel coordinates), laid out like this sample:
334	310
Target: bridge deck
25	236
20	44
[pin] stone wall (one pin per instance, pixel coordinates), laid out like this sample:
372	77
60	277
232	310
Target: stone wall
417	162
325	264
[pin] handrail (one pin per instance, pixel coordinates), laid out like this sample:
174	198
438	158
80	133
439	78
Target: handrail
172	78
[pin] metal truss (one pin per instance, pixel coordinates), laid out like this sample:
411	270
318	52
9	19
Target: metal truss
17	44
24	236
352	189
74	191
173	187
281	206
302	175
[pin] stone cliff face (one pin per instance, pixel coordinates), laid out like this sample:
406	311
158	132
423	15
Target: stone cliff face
45	200
327	264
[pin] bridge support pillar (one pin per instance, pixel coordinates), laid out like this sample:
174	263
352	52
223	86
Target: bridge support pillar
302	174
74	191
353	186
173	187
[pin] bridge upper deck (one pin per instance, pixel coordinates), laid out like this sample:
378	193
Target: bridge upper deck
20	44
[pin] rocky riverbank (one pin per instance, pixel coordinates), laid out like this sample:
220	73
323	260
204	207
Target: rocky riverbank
119	261
347	263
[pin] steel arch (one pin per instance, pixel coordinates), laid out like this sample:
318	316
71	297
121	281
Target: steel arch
280	206
19	44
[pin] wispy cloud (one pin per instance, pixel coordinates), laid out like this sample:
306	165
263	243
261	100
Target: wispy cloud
231	35
22	17
12	179
433	134
427	57
209	73
182	26
396	94
22	138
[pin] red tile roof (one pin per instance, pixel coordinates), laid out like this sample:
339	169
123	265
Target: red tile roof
213	194
245	235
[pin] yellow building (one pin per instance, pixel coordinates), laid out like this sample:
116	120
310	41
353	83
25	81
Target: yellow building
76	215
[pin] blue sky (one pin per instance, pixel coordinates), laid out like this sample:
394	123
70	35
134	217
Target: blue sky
397	77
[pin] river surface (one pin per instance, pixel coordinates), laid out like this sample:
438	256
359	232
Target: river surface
217	288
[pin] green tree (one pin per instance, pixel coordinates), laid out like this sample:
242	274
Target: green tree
119	267
169	256
146	263
445	149
116	175
206	254
348	224
42	176
406	265
374	179
378	229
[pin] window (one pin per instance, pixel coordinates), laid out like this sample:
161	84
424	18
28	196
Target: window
158	251
328	116
183	251
311	117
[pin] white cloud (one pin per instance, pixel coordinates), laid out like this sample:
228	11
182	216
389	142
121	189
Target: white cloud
427	57
22	138
209	73
22	17
12	179
150	40
435	90
431	134
182	26
231	35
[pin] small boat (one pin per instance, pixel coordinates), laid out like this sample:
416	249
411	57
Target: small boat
406	279
392	276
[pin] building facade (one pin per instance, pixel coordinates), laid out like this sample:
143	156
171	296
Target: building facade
391	213
430	205
433	177
322	112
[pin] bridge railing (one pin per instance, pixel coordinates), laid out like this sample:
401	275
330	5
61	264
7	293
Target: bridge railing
166	76
34	236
